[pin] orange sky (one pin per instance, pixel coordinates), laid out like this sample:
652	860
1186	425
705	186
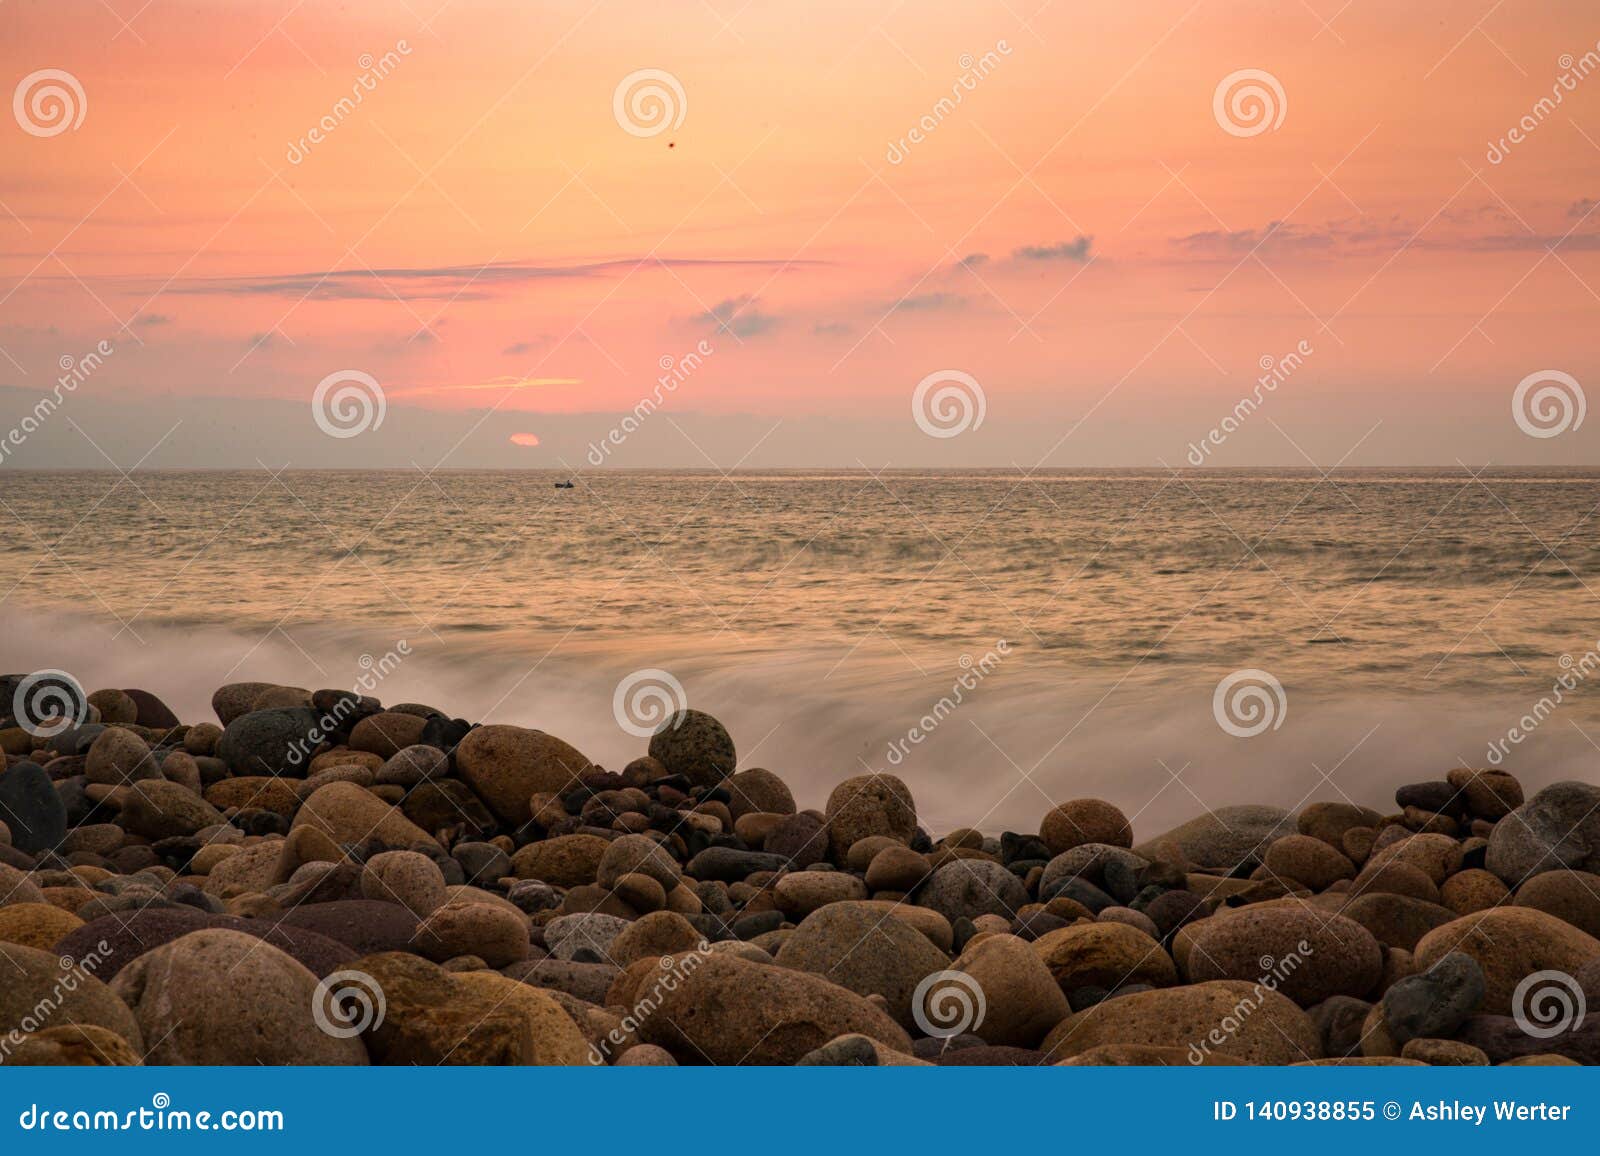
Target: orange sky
481	231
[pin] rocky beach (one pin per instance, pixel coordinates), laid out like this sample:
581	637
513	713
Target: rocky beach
312	877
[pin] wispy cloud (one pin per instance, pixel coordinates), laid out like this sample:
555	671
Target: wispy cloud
443	282
1076	249
928	302
738	316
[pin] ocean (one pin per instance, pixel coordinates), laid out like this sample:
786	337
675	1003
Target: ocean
1002	640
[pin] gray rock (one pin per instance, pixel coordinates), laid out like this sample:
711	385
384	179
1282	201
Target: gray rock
1432	1004
271	742
1558	827
567	935
30	807
973	887
731	865
481	862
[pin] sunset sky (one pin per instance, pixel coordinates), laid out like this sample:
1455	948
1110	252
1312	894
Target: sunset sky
1079	234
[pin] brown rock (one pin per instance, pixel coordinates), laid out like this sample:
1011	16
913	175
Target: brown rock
1509	943
730	1011
1218	1017
1489	794
758	790
1444	1053
119	756
566	861
347	813
658	934
474	1018
37	925
1308	860
387	733
1023	1000
1396	920
1310	954
1080	821
157	809
267	792
869	805
506	765
1571	896
1104	955
866	952
1473	890
73	1046
494	934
